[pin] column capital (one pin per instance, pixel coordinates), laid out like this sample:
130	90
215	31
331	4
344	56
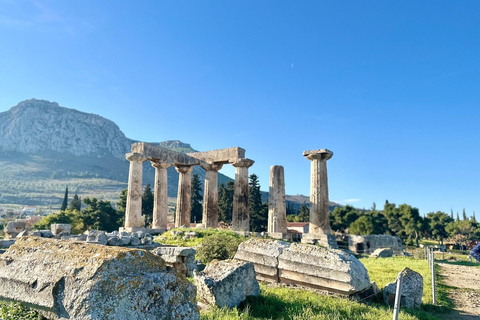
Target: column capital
138	157
183	168
160	165
242	163
319	154
211	166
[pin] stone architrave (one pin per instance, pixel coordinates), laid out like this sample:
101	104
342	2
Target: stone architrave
210	195
133	212
182	215
240	215
277	210
160	202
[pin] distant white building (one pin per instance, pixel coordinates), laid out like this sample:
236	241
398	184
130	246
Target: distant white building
29	210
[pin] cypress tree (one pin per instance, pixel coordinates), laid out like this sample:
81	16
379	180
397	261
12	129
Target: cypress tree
147	204
76	203
464	215
65	200
225	201
258	213
196	208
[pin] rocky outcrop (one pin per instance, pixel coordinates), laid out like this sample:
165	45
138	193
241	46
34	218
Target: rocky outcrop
38	125
412	290
382	253
305	265
70	280
226	283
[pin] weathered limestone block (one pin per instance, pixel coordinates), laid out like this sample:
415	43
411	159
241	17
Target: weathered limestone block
95	236
72	280
181	259
263	253
322	268
114	241
226	283
6	243
42	233
13	228
382	253
412	290
57	228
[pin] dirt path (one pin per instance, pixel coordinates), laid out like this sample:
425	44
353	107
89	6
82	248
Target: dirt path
465	292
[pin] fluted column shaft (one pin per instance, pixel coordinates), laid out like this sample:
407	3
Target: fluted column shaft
240	215
319	209
277	209
210	195
160	200
182	215
133	212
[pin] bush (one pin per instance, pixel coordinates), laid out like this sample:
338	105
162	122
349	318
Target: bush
218	246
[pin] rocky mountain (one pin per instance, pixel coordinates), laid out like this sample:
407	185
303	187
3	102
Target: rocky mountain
45	147
37	125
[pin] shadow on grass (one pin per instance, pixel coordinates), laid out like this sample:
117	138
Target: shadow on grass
460	263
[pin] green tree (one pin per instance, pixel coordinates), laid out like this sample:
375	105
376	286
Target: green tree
438	222
390	211
225	201
122	205
380	223
59	217
76	203
258	214
290	209
147	205
464	215
303	213
99	215
362	226
65	200
342	217
196	208
411	222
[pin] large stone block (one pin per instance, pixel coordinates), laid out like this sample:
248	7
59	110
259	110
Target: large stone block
57	228
181	259
322	268
72	280
226	283
13	228
305	265
412	290
368	244
263	253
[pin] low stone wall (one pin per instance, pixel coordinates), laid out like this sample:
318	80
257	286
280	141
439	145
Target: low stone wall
368	244
305	265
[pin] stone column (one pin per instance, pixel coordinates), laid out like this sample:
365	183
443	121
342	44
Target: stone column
160	201
210	195
133	212
182	215
240	214
277	209
319	229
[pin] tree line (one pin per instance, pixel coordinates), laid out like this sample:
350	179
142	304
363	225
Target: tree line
403	220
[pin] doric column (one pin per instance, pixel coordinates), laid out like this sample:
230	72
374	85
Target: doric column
210	195
277	210
160	201
319	212
133	212
182	215
240	215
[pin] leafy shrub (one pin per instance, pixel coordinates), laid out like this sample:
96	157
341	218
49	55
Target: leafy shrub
16	311
218	246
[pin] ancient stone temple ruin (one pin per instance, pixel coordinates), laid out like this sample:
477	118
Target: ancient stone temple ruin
211	161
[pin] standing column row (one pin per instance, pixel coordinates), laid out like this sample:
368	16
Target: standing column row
160	200
182	215
210	195
133	212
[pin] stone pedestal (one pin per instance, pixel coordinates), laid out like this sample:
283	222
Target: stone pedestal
133	212
160	202
326	240
319	230
210	195
182	215
277	210
240	214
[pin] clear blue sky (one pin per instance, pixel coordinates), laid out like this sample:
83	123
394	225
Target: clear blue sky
391	87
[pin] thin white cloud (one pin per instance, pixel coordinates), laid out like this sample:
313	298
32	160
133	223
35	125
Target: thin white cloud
351	200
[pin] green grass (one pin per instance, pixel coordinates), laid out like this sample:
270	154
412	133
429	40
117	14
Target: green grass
296	304
169	238
15	311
